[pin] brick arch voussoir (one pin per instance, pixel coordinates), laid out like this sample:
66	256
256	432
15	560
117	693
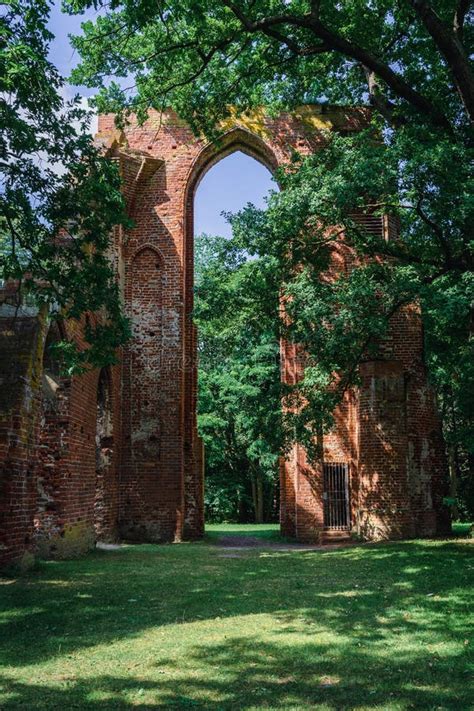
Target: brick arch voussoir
236	139
148	246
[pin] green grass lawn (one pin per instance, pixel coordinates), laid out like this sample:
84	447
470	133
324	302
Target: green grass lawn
197	626
264	531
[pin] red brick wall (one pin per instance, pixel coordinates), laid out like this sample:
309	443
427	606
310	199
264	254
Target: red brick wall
162	164
401	461
48	461
77	501
389	434
152	491
21	342
106	497
52	448
162	499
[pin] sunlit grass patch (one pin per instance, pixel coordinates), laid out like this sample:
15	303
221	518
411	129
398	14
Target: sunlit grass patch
265	531
384	626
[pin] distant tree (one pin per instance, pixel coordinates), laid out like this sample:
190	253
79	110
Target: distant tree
239	410
59	199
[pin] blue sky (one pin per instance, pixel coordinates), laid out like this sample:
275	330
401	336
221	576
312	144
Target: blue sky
228	186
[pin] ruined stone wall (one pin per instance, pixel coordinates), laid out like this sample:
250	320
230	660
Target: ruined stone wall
106	500
22	335
396	478
52	446
401	458
78	467
75	466
301	480
162	163
387	432
68	468
48	463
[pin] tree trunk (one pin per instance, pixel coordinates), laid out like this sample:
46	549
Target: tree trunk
254	495
259	509
453	478
257	497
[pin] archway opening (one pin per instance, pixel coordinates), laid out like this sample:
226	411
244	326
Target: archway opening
104	442
238	393
48	524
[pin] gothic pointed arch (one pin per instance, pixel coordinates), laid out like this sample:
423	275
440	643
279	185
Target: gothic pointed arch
236	139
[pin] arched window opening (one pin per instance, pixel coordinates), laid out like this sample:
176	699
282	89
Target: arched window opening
52	446
238	365
228	186
51	379
104	457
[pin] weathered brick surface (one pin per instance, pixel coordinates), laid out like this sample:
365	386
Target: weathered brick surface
77	464
21	339
401	461
388	433
162	164
55	499
117	452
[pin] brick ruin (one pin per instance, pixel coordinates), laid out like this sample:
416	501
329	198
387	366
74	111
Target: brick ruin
116	453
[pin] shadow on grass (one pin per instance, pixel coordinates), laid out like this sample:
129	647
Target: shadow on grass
462	530
263	675
335	617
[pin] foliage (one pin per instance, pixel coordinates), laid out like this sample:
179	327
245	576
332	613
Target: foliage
373	627
341	318
239	408
59	199
202	57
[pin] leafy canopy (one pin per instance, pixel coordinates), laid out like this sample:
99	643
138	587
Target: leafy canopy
59	198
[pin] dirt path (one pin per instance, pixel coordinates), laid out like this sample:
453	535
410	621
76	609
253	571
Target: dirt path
238	542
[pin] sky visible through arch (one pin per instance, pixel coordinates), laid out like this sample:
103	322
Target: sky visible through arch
228	186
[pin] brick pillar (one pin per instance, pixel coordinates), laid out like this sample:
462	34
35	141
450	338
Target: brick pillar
152	402
287	496
384	505
309	516
194	453
301	495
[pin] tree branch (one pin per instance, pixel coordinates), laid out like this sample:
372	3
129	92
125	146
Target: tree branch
450	46
381	103
267	27
332	41
459	16
398	85
315	9
163	50
206	58
444	243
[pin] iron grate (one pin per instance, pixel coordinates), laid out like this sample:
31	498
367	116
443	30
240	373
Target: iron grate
336	497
